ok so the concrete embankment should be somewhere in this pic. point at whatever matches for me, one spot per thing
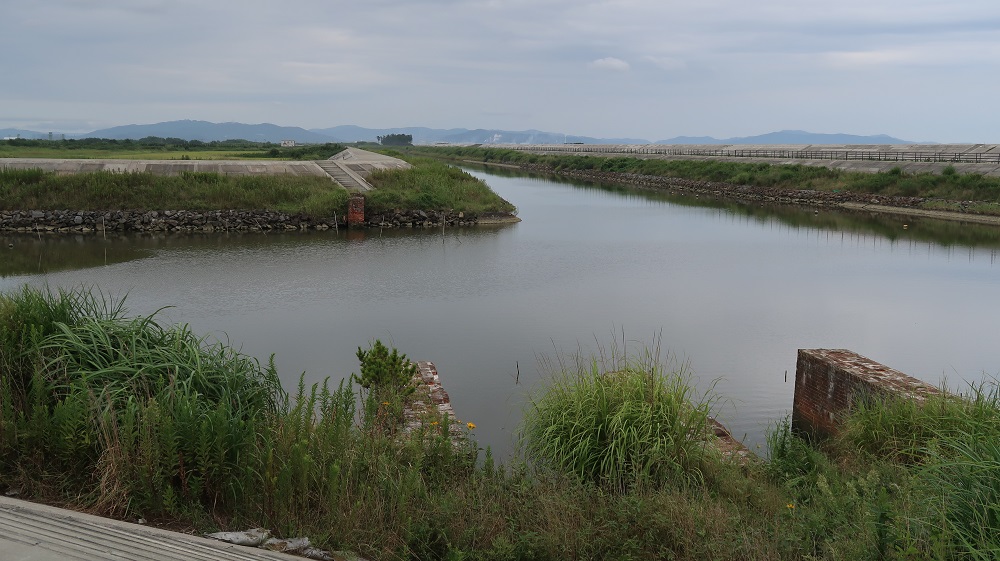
(983, 159)
(167, 167)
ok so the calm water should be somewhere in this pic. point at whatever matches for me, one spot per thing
(730, 290)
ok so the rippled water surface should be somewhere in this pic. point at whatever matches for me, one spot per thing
(731, 291)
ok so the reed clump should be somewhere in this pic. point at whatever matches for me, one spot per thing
(621, 421)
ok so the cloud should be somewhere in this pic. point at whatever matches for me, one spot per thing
(480, 63)
(611, 63)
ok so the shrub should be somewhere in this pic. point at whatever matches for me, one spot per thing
(383, 370)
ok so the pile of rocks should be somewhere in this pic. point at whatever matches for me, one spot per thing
(66, 221)
(420, 219)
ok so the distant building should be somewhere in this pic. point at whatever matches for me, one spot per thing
(287, 143)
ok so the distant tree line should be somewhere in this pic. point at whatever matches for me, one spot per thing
(146, 142)
(395, 140)
(156, 143)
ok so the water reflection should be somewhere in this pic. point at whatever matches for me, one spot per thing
(891, 227)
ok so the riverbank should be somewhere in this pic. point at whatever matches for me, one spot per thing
(161, 426)
(265, 196)
(956, 192)
(185, 221)
(844, 200)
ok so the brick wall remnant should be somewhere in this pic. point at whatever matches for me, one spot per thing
(356, 210)
(828, 382)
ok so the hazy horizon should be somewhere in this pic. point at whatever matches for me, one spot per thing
(651, 69)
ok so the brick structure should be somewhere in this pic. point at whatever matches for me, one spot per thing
(356, 210)
(431, 402)
(828, 382)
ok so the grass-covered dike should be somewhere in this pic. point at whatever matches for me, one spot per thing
(128, 417)
(971, 193)
(429, 185)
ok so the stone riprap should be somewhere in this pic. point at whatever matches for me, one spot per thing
(67, 221)
(97, 221)
(434, 219)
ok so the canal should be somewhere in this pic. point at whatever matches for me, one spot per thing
(729, 291)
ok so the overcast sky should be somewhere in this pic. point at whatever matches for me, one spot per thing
(916, 69)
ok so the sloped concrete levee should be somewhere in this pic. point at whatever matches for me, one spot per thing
(869, 158)
(33, 532)
(352, 166)
(829, 382)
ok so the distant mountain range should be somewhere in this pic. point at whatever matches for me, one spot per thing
(789, 137)
(266, 132)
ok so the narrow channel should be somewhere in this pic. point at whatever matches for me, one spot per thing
(729, 291)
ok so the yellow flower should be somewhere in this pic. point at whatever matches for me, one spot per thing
(790, 506)
(385, 403)
(471, 426)
(434, 423)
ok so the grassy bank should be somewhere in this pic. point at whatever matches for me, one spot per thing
(429, 185)
(127, 417)
(432, 185)
(39, 190)
(948, 186)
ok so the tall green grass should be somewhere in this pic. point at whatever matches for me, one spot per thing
(128, 417)
(104, 190)
(432, 185)
(951, 447)
(620, 421)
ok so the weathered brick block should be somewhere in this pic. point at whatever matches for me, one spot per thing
(828, 382)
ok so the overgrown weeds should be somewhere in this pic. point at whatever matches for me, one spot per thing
(105, 190)
(621, 421)
(432, 185)
(127, 417)
(948, 185)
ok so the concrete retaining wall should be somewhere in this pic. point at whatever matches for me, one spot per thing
(828, 382)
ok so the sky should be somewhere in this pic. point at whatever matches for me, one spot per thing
(918, 70)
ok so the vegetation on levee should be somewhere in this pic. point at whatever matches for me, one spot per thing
(127, 417)
(949, 185)
(156, 148)
(431, 185)
(35, 189)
